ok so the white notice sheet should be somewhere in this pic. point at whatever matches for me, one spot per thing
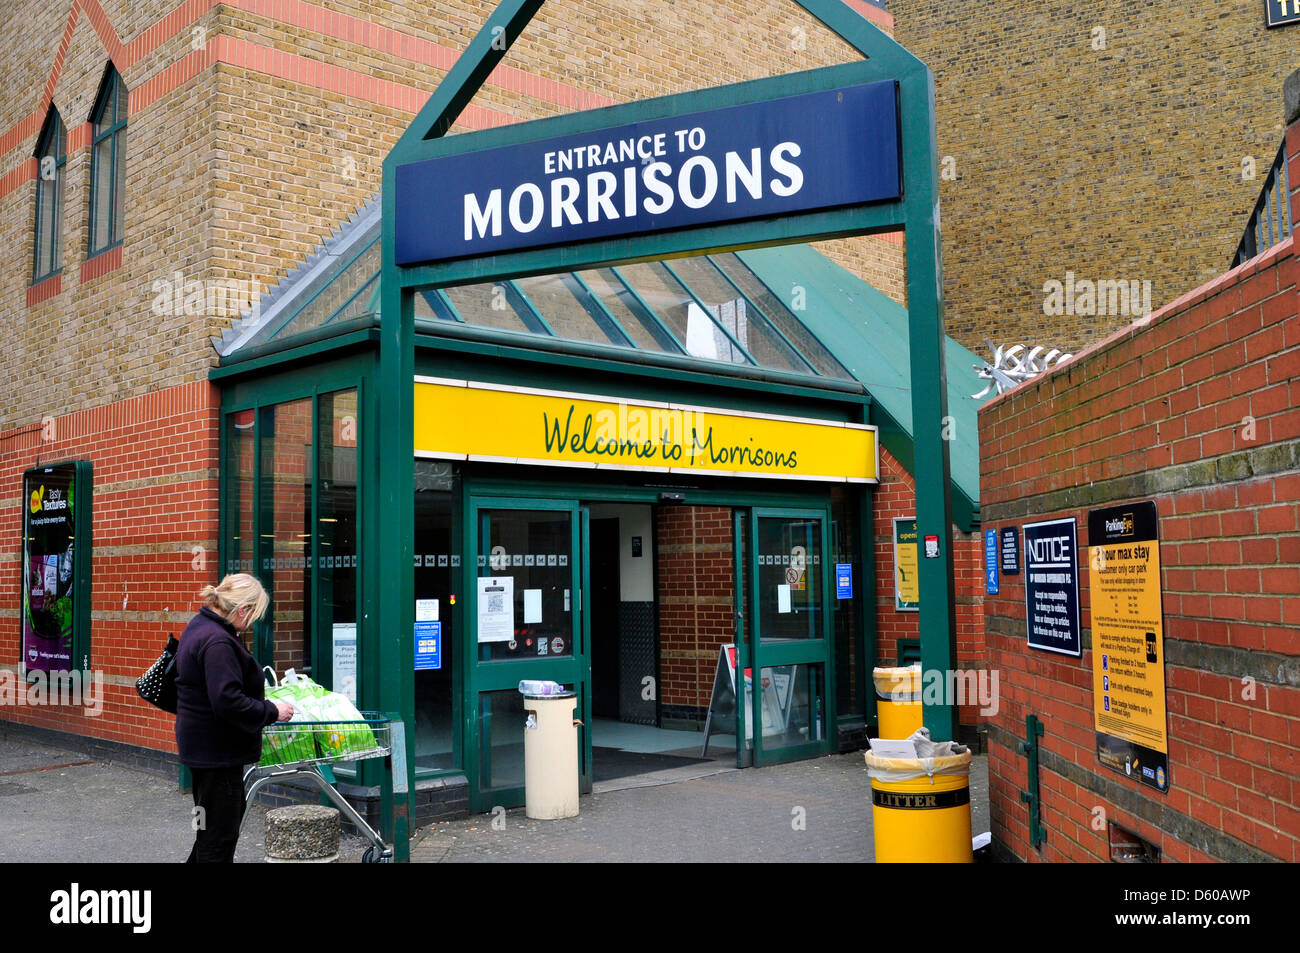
(532, 606)
(496, 608)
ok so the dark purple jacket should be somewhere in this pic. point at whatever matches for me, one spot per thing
(221, 704)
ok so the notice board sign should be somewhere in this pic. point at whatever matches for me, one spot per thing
(907, 593)
(1011, 550)
(1052, 586)
(1128, 651)
(56, 568)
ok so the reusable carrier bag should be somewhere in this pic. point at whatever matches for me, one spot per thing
(343, 733)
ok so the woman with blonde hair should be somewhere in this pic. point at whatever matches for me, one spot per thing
(221, 709)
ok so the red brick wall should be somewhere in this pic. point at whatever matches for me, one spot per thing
(1198, 409)
(155, 500)
(696, 582)
(895, 496)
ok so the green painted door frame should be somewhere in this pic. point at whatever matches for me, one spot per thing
(916, 213)
(819, 650)
(504, 675)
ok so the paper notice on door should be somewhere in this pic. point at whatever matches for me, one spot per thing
(783, 598)
(345, 659)
(426, 610)
(532, 606)
(496, 608)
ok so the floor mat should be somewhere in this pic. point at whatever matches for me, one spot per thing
(610, 763)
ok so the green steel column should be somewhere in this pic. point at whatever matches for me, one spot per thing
(391, 630)
(929, 388)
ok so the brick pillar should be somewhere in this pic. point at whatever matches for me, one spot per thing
(1291, 94)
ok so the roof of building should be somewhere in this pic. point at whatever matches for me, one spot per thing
(787, 311)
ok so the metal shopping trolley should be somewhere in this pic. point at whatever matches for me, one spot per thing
(300, 749)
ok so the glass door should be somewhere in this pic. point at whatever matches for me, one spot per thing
(525, 621)
(789, 636)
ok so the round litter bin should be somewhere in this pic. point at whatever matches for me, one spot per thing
(551, 757)
(898, 700)
(920, 809)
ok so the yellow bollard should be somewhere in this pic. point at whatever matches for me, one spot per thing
(898, 700)
(921, 809)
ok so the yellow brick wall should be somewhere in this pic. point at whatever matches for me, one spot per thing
(240, 173)
(1115, 163)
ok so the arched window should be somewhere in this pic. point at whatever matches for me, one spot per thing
(51, 160)
(107, 163)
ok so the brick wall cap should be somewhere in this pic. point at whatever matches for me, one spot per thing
(1291, 97)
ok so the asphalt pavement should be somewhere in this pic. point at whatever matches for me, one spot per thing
(59, 805)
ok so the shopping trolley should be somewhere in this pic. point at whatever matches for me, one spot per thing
(299, 749)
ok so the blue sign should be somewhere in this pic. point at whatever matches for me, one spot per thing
(1052, 586)
(797, 154)
(428, 645)
(843, 580)
(1281, 12)
(991, 561)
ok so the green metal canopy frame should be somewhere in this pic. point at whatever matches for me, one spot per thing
(390, 646)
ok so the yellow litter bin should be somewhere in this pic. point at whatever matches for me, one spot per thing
(898, 700)
(921, 808)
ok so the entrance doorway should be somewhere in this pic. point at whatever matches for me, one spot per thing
(656, 616)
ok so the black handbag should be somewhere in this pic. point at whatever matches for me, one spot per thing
(157, 685)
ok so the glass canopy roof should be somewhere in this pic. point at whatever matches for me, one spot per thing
(710, 308)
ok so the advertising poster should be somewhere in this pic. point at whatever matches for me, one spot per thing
(1052, 587)
(907, 593)
(48, 564)
(1128, 651)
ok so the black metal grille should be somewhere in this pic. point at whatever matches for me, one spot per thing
(1270, 221)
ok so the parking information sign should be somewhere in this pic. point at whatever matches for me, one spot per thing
(991, 561)
(1128, 652)
(1052, 586)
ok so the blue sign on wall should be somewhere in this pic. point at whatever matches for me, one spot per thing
(843, 580)
(811, 151)
(428, 645)
(1052, 586)
(991, 561)
(1282, 12)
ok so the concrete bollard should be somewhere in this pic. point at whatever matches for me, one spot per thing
(302, 834)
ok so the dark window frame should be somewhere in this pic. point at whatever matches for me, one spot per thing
(47, 250)
(113, 131)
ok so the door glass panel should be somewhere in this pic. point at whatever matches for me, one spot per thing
(789, 587)
(436, 556)
(793, 705)
(336, 541)
(285, 431)
(529, 555)
(501, 758)
(240, 535)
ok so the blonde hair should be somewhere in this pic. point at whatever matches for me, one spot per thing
(236, 590)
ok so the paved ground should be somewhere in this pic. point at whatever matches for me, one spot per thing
(63, 806)
(743, 816)
(59, 806)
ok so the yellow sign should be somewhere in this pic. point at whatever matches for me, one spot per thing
(1128, 665)
(465, 420)
(907, 590)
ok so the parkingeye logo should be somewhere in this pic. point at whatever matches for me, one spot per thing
(102, 907)
(1121, 525)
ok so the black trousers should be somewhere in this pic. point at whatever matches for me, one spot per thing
(219, 807)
